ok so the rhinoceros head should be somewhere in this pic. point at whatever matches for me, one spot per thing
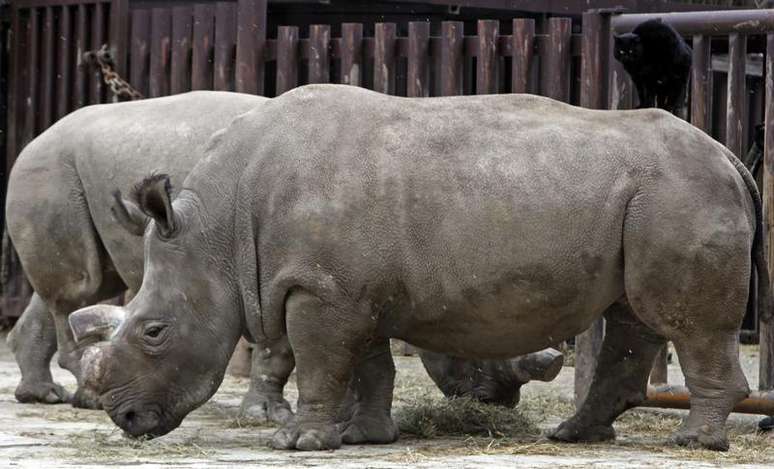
(164, 353)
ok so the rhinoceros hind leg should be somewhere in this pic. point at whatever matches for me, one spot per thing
(271, 367)
(373, 381)
(620, 379)
(33, 342)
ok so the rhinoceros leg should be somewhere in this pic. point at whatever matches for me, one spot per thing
(272, 363)
(373, 381)
(325, 357)
(33, 342)
(620, 379)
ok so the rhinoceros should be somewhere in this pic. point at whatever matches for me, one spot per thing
(484, 227)
(76, 254)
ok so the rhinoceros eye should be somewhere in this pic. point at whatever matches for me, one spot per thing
(154, 331)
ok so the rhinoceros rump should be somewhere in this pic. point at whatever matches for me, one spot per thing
(483, 227)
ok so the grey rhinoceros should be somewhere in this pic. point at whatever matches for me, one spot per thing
(75, 253)
(478, 226)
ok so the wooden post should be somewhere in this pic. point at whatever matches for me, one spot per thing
(418, 56)
(660, 373)
(352, 54)
(555, 69)
(486, 74)
(182, 30)
(119, 34)
(595, 60)
(384, 57)
(766, 364)
(225, 41)
(161, 31)
(250, 46)
(65, 53)
(31, 99)
(97, 87)
(287, 58)
(140, 53)
(81, 46)
(452, 42)
(701, 83)
(201, 56)
(319, 53)
(523, 53)
(47, 78)
(737, 95)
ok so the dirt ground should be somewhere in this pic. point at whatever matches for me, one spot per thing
(213, 436)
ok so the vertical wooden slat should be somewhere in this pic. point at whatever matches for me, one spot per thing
(47, 70)
(766, 363)
(523, 53)
(180, 62)
(555, 70)
(65, 53)
(418, 58)
(201, 60)
(251, 42)
(319, 48)
(161, 31)
(140, 51)
(384, 57)
(31, 98)
(96, 87)
(225, 44)
(486, 70)
(595, 59)
(16, 84)
(80, 93)
(352, 54)
(119, 34)
(701, 83)
(660, 373)
(737, 92)
(287, 58)
(452, 43)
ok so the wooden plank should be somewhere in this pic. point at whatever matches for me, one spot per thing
(97, 89)
(64, 69)
(287, 58)
(737, 93)
(16, 81)
(160, 38)
(319, 60)
(352, 54)
(47, 70)
(523, 47)
(384, 57)
(139, 55)
(180, 61)
(621, 87)
(80, 93)
(701, 83)
(119, 34)
(486, 63)
(31, 99)
(201, 59)
(766, 363)
(555, 69)
(418, 80)
(225, 45)
(251, 44)
(660, 374)
(452, 41)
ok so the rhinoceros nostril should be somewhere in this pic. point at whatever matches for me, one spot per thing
(129, 417)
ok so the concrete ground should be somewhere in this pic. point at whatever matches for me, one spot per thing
(60, 436)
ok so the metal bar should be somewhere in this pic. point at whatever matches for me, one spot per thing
(701, 83)
(47, 70)
(555, 69)
(711, 23)
(384, 57)
(287, 58)
(225, 43)
(737, 95)
(523, 50)
(766, 362)
(418, 82)
(352, 54)
(65, 53)
(96, 87)
(180, 62)
(161, 27)
(678, 397)
(202, 48)
(452, 41)
(486, 73)
(319, 62)
(81, 46)
(251, 45)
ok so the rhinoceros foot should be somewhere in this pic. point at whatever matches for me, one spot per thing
(377, 429)
(260, 407)
(306, 437)
(701, 437)
(85, 399)
(45, 392)
(572, 431)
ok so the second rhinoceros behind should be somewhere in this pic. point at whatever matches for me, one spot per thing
(482, 227)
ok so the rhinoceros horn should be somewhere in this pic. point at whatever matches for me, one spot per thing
(96, 322)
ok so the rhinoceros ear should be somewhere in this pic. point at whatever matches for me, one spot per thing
(128, 215)
(154, 198)
(96, 322)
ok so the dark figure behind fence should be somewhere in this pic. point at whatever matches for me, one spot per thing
(659, 62)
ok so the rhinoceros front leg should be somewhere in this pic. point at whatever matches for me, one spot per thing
(326, 337)
(33, 342)
(69, 357)
(272, 364)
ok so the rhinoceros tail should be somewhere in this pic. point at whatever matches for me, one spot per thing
(759, 258)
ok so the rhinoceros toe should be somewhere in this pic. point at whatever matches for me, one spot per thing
(702, 437)
(306, 437)
(263, 409)
(370, 429)
(45, 392)
(571, 431)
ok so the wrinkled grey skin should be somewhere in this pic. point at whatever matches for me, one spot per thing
(480, 226)
(58, 214)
